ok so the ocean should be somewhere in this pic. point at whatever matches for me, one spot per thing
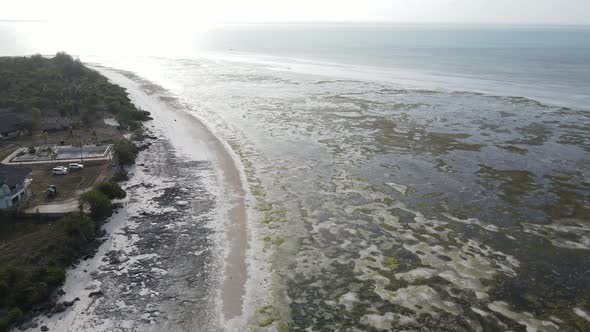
(542, 62)
(411, 177)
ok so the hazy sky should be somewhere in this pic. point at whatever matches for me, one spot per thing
(228, 11)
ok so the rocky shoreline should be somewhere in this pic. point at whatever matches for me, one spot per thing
(149, 274)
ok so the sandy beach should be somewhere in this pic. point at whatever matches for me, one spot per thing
(175, 257)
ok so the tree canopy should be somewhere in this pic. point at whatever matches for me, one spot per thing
(40, 87)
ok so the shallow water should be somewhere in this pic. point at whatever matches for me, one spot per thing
(402, 209)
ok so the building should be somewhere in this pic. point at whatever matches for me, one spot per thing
(14, 185)
(10, 125)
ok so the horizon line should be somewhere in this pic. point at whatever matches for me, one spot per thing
(322, 22)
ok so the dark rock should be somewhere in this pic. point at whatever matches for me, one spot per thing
(445, 258)
(28, 326)
(60, 292)
(144, 146)
(44, 328)
(71, 303)
(96, 294)
(60, 307)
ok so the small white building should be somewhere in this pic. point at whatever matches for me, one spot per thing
(14, 185)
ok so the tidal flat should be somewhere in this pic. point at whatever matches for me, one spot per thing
(409, 209)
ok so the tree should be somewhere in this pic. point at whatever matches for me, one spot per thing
(33, 122)
(52, 154)
(100, 205)
(112, 190)
(125, 152)
(62, 86)
(78, 227)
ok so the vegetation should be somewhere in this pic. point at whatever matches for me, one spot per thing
(125, 152)
(34, 252)
(33, 260)
(391, 261)
(100, 204)
(44, 88)
(112, 190)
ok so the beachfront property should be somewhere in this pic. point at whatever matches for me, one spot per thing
(10, 125)
(59, 153)
(14, 185)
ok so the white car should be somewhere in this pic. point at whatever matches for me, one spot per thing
(76, 166)
(59, 170)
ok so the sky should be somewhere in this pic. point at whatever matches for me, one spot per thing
(241, 11)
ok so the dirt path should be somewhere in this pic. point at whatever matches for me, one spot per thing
(67, 206)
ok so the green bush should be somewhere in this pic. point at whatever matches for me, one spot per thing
(51, 275)
(125, 152)
(100, 205)
(28, 296)
(55, 275)
(11, 274)
(14, 315)
(4, 290)
(112, 190)
(81, 227)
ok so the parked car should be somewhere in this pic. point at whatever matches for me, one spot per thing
(51, 191)
(76, 166)
(59, 170)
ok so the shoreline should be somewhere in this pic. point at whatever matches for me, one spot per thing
(186, 193)
(232, 182)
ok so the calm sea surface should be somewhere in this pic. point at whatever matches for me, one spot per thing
(407, 177)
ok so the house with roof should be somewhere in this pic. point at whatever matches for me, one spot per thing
(14, 185)
(10, 125)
